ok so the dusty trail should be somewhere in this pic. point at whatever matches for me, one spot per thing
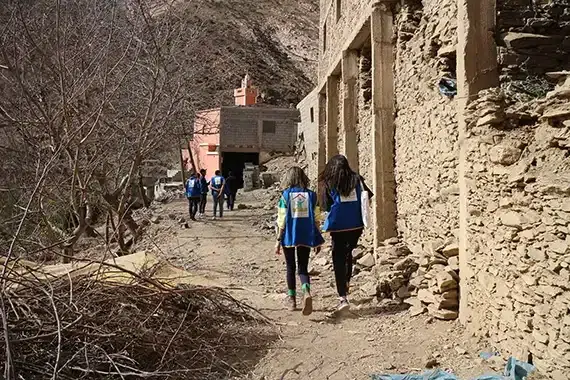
(233, 254)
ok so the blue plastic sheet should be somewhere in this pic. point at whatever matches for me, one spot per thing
(514, 370)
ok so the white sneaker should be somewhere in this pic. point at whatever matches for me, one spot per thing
(214, 218)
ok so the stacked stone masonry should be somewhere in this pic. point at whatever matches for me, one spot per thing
(533, 37)
(426, 127)
(518, 234)
(512, 169)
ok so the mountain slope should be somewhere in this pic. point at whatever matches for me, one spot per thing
(275, 41)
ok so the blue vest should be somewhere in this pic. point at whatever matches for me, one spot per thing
(345, 213)
(192, 187)
(216, 182)
(300, 227)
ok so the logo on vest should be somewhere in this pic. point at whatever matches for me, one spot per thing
(299, 205)
(350, 197)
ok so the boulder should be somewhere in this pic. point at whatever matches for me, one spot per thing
(445, 282)
(403, 292)
(504, 154)
(517, 41)
(417, 310)
(426, 296)
(405, 264)
(155, 219)
(453, 263)
(370, 288)
(443, 314)
(367, 261)
(451, 250)
(513, 219)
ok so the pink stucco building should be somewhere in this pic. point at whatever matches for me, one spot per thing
(226, 138)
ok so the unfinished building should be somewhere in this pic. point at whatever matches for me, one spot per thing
(442, 106)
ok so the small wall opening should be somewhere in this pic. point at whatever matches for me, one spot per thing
(312, 112)
(325, 37)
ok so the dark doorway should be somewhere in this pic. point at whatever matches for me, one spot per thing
(235, 162)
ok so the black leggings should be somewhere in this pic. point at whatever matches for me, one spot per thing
(303, 264)
(203, 201)
(342, 245)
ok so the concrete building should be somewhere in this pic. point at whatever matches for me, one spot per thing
(226, 138)
(464, 166)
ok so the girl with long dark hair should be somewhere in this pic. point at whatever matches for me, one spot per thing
(341, 195)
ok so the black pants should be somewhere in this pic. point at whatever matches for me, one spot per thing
(231, 200)
(203, 201)
(342, 245)
(193, 206)
(302, 263)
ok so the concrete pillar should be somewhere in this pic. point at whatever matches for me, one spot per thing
(332, 117)
(476, 70)
(384, 201)
(322, 153)
(350, 105)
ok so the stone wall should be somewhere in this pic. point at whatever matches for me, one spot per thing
(518, 182)
(308, 134)
(533, 37)
(426, 127)
(352, 14)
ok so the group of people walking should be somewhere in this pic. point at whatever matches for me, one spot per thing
(299, 225)
(198, 186)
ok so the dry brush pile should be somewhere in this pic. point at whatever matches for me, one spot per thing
(83, 327)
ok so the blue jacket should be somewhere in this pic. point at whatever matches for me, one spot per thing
(216, 183)
(193, 188)
(345, 213)
(298, 218)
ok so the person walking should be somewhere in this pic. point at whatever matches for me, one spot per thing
(341, 196)
(232, 189)
(217, 187)
(204, 185)
(298, 232)
(193, 191)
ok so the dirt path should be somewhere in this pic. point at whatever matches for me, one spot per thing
(373, 339)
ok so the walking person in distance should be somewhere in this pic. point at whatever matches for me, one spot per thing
(217, 187)
(193, 191)
(341, 195)
(204, 186)
(232, 189)
(297, 233)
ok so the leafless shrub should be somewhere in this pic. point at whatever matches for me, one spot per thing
(89, 90)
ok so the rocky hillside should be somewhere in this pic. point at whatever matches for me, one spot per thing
(272, 40)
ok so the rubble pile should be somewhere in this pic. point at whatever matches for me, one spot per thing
(428, 282)
(435, 284)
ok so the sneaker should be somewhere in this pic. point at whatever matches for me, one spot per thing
(343, 305)
(307, 304)
(291, 303)
(214, 218)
